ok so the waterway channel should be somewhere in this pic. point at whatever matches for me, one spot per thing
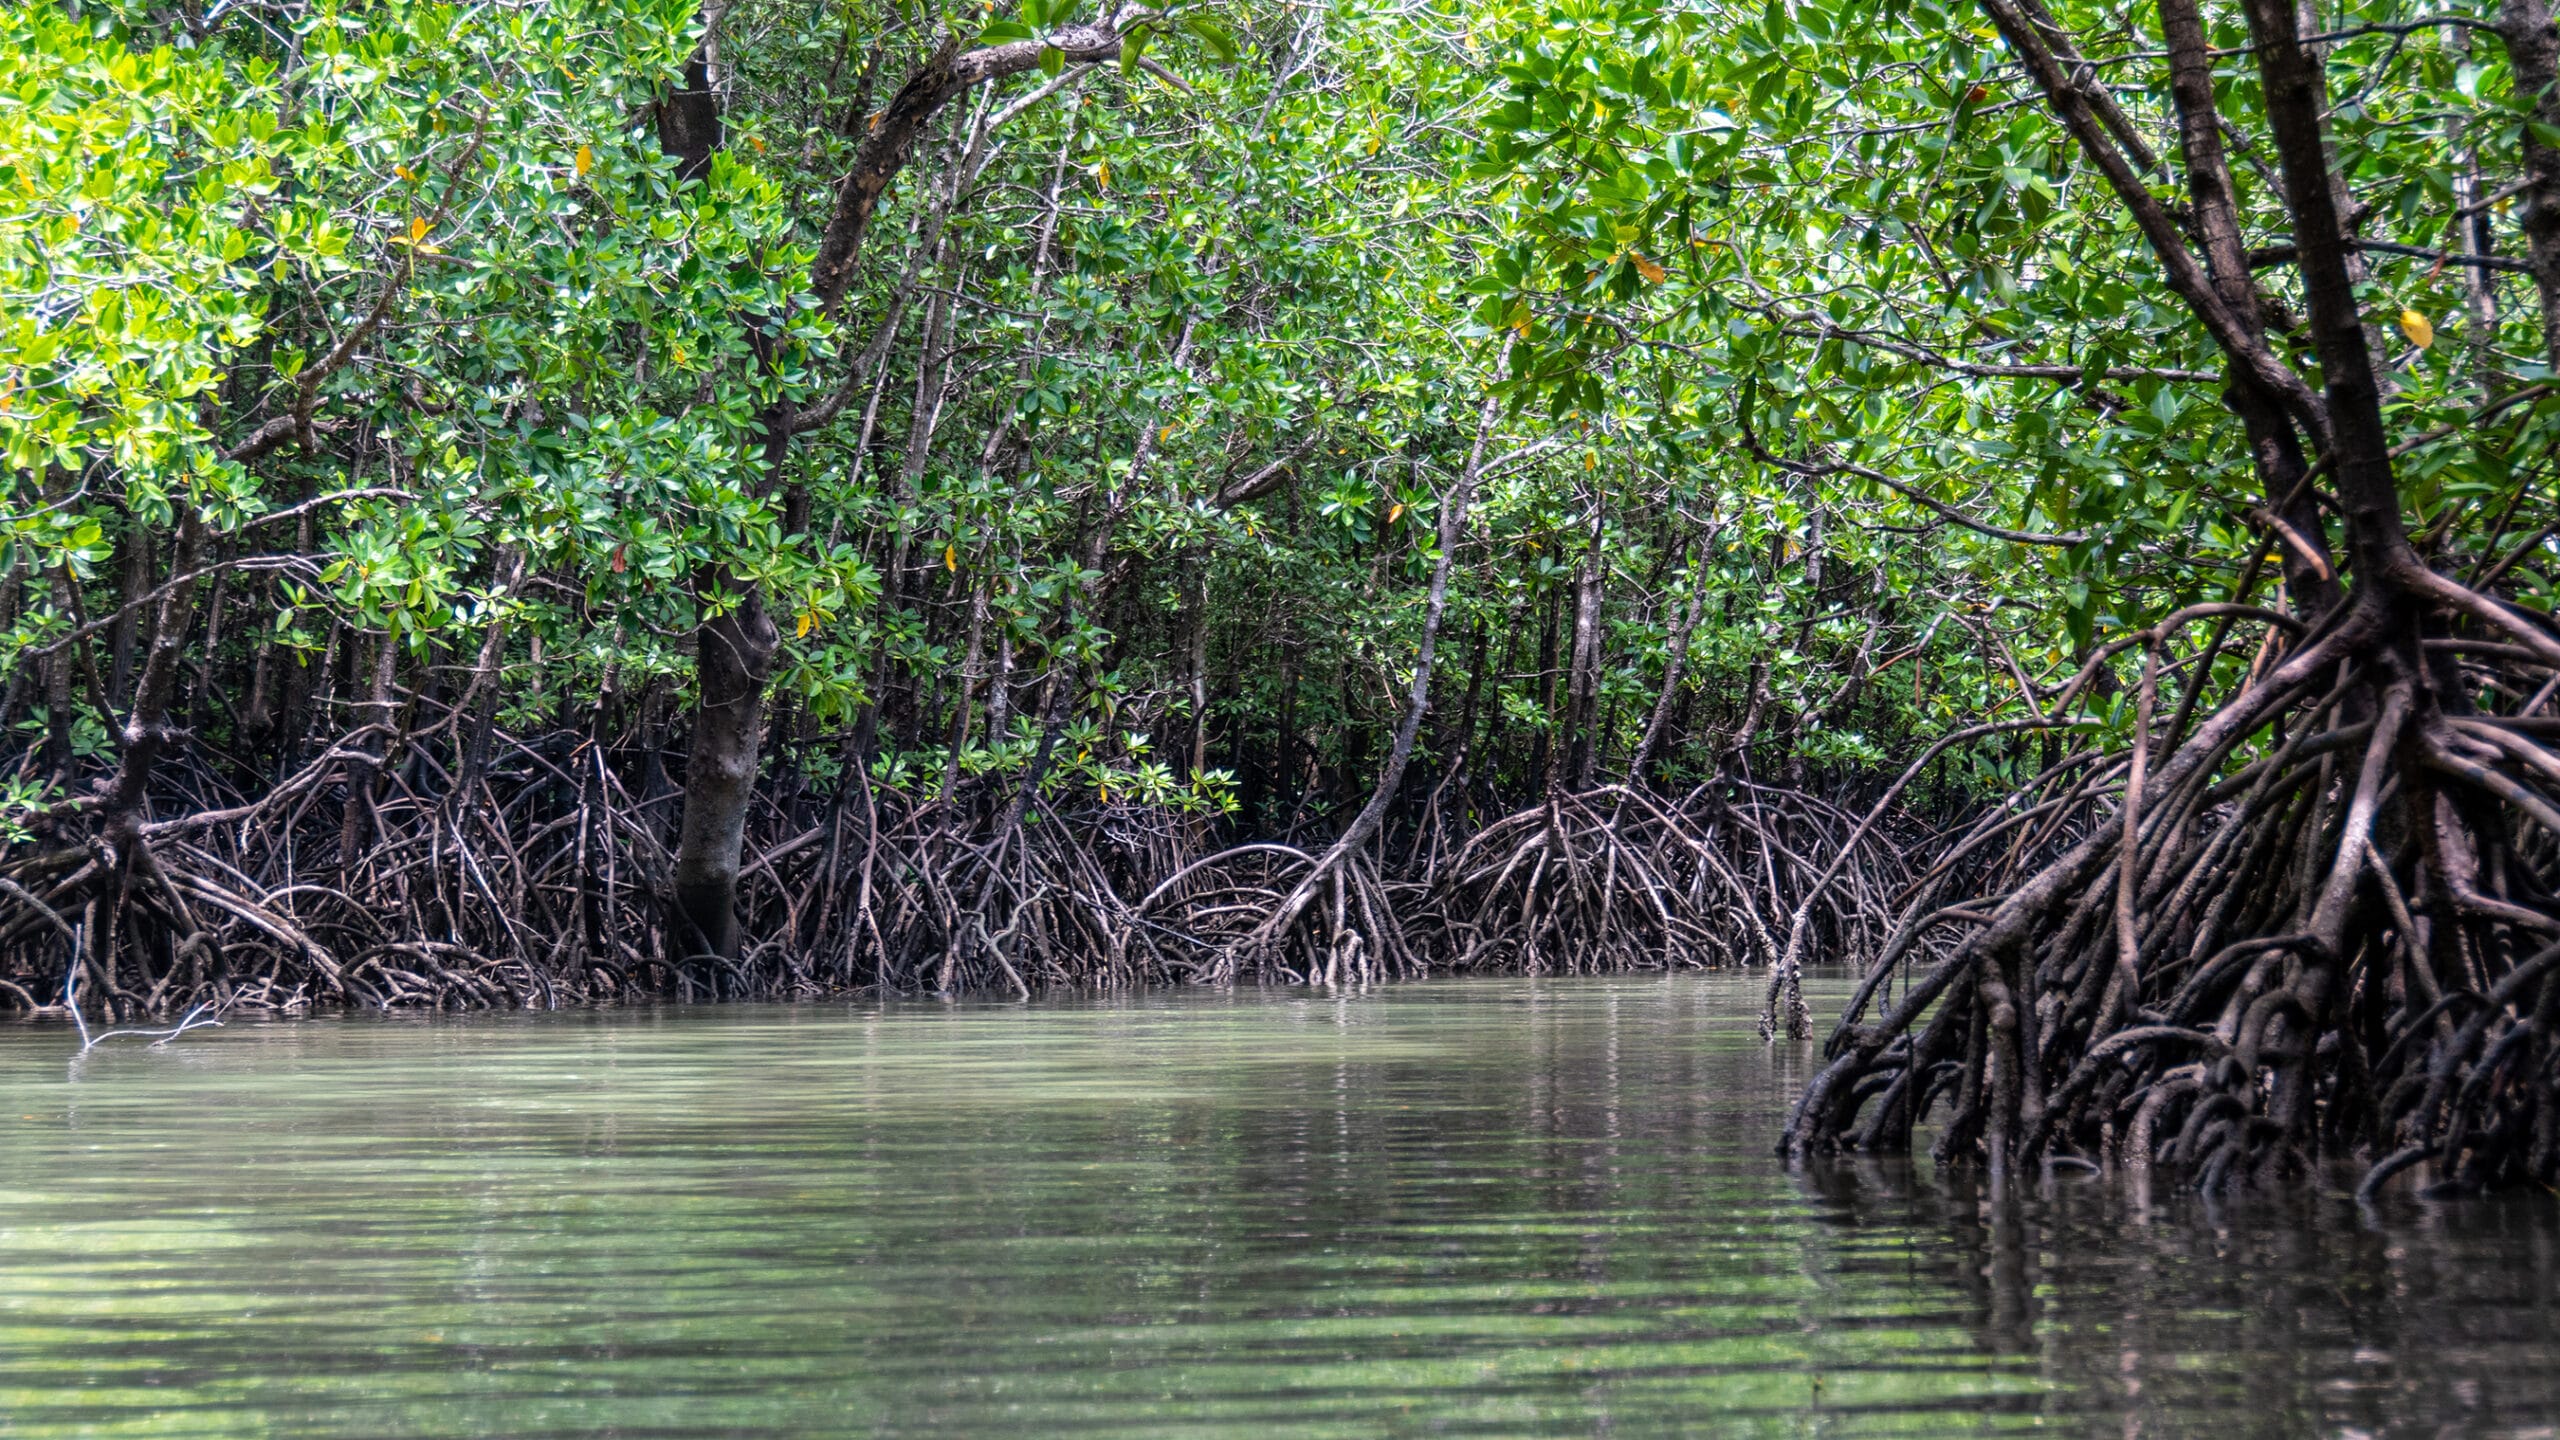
(1468, 1207)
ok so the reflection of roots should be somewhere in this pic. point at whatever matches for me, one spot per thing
(2333, 936)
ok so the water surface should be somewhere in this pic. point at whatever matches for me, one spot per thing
(1510, 1207)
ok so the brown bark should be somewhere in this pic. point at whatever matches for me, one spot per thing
(946, 75)
(1452, 529)
(2474, 242)
(961, 711)
(482, 702)
(146, 733)
(57, 692)
(2185, 276)
(1684, 623)
(2310, 574)
(2296, 100)
(1453, 522)
(1199, 665)
(2533, 53)
(688, 114)
(366, 765)
(134, 549)
(13, 587)
(733, 657)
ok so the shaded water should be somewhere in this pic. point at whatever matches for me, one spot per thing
(1484, 1208)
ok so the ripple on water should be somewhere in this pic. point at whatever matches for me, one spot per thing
(1505, 1207)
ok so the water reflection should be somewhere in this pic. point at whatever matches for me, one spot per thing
(2297, 1314)
(1502, 1207)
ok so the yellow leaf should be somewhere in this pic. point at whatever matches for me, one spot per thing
(1164, 434)
(2415, 326)
(808, 619)
(1653, 274)
(1590, 461)
(417, 229)
(586, 159)
(1102, 175)
(1393, 511)
(951, 558)
(404, 172)
(1374, 143)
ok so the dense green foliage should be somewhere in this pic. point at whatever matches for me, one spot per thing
(555, 354)
(1856, 224)
(1685, 232)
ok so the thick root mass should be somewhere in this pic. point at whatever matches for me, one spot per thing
(2321, 925)
(353, 884)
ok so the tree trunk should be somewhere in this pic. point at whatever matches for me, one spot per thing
(961, 711)
(735, 652)
(13, 587)
(1453, 521)
(135, 549)
(733, 658)
(2296, 101)
(1543, 748)
(2533, 53)
(57, 692)
(146, 733)
(486, 682)
(1674, 670)
(1199, 666)
(689, 115)
(2475, 235)
(2276, 450)
(366, 764)
(1583, 700)
(207, 690)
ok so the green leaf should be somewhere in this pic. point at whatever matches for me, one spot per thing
(1212, 34)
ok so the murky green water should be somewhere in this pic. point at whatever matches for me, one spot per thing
(1477, 1208)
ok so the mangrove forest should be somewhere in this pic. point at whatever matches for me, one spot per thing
(2049, 507)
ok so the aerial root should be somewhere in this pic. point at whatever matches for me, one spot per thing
(546, 887)
(2320, 925)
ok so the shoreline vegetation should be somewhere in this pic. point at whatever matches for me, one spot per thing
(551, 501)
